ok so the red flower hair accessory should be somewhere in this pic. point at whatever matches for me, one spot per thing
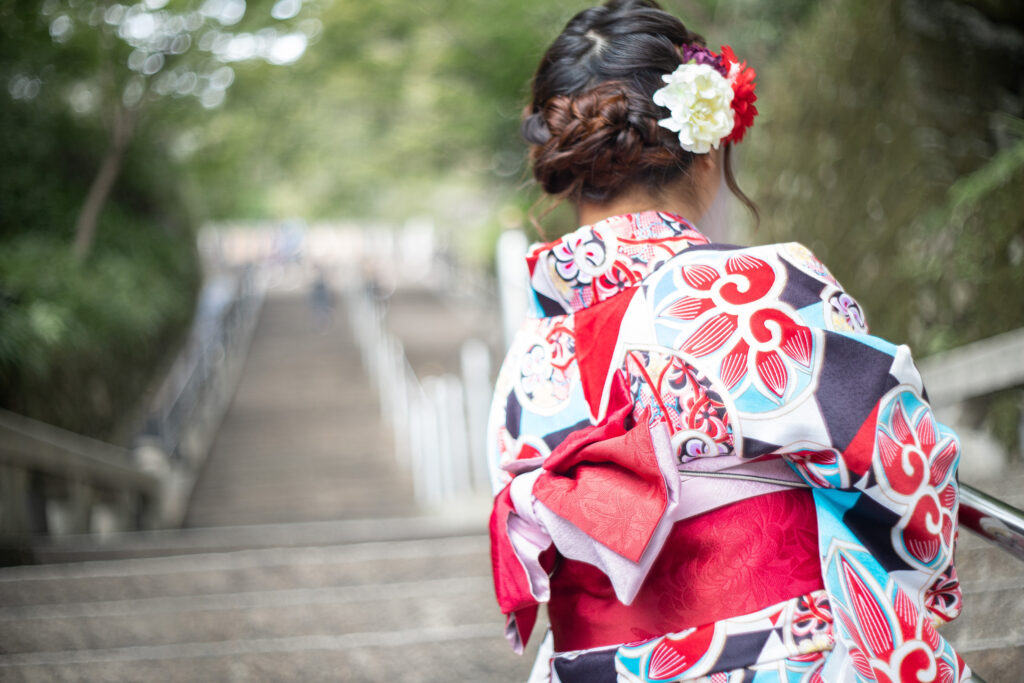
(741, 77)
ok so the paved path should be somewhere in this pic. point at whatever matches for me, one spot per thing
(431, 329)
(303, 439)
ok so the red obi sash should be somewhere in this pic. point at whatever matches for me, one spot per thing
(724, 563)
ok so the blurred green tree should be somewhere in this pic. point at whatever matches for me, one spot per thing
(94, 97)
(111, 63)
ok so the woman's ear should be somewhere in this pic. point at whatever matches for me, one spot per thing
(709, 171)
(711, 161)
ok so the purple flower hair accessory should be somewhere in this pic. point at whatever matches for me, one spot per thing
(698, 54)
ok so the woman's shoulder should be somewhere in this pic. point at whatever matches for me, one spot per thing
(793, 254)
(733, 280)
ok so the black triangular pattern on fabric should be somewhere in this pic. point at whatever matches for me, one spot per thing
(869, 480)
(513, 415)
(872, 524)
(853, 377)
(550, 307)
(741, 650)
(590, 667)
(801, 289)
(754, 448)
(555, 438)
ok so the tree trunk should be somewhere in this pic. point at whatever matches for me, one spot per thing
(103, 183)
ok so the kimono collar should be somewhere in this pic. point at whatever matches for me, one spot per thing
(598, 261)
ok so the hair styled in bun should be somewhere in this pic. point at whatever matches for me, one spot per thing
(592, 124)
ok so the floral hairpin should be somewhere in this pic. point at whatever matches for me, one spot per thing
(710, 98)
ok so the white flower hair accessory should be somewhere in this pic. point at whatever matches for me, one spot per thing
(710, 97)
(699, 100)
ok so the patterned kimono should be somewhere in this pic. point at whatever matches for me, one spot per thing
(709, 470)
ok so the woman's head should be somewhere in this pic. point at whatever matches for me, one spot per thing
(592, 123)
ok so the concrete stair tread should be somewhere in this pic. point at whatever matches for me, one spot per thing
(465, 521)
(405, 610)
(244, 570)
(303, 439)
(470, 652)
(247, 616)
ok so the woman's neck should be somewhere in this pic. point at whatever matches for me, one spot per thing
(688, 196)
(588, 213)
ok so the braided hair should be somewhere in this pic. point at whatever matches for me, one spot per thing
(592, 124)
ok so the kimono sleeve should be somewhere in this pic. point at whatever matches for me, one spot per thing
(883, 474)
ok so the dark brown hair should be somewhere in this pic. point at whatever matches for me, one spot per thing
(592, 124)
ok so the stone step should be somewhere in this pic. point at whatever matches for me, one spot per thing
(411, 610)
(996, 662)
(465, 520)
(249, 615)
(245, 571)
(993, 611)
(465, 653)
(261, 613)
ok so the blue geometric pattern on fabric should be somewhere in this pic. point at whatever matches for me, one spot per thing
(813, 315)
(753, 401)
(573, 412)
(545, 307)
(834, 504)
(874, 342)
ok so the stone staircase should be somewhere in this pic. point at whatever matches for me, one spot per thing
(321, 601)
(306, 558)
(420, 609)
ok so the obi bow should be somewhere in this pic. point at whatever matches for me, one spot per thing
(604, 496)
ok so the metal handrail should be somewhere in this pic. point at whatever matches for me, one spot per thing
(993, 520)
(215, 333)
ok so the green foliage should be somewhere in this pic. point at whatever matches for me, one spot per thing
(975, 256)
(39, 144)
(79, 340)
(877, 146)
(399, 109)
